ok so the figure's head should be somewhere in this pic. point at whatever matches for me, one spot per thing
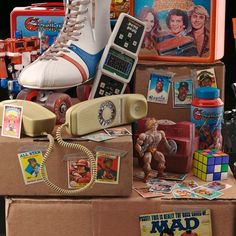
(183, 90)
(177, 21)
(206, 79)
(159, 85)
(82, 166)
(32, 162)
(198, 17)
(151, 123)
(148, 16)
(167, 232)
(108, 162)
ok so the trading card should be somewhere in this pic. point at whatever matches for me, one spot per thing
(108, 168)
(30, 164)
(11, 121)
(159, 87)
(162, 187)
(145, 193)
(206, 78)
(119, 131)
(183, 93)
(98, 137)
(206, 192)
(79, 172)
(217, 185)
(189, 184)
(183, 193)
(173, 176)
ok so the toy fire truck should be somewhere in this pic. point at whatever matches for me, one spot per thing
(15, 54)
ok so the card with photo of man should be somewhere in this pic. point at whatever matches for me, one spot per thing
(182, 93)
(159, 87)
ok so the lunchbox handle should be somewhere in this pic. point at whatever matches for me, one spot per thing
(48, 4)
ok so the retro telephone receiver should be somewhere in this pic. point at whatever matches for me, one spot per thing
(82, 118)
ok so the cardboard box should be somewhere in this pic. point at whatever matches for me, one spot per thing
(166, 111)
(110, 216)
(12, 182)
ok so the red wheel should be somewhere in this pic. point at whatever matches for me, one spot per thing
(27, 94)
(59, 103)
(83, 92)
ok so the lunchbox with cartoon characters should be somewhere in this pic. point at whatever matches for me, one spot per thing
(182, 30)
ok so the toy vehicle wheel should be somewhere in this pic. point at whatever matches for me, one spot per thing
(27, 94)
(83, 92)
(58, 103)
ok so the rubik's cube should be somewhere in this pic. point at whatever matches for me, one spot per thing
(210, 164)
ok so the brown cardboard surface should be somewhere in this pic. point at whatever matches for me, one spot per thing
(166, 111)
(12, 182)
(105, 216)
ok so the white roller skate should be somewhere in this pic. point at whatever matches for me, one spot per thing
(73, 58)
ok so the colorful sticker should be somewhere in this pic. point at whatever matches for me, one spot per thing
(207, 193)
(119, 131)
(206, 78)
(159, 86)
(79, 172)
(173, 176)
(145, 193)
(183, 93)
(161, 186)
(11, 121)
(98, 137)
(108, 168)
(183, 193)
(217, 185)
(30, 163)
(189, 184)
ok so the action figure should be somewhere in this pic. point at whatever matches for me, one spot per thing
(147, 144)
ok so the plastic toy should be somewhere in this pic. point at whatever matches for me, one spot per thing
(15, 54)
(210, 164)
(72, 59)
(147, 146)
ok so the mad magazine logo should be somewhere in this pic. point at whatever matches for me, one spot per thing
(35, 24)
(173, 221)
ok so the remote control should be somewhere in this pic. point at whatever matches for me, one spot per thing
(119, 58)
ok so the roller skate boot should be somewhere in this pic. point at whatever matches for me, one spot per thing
(73, 58)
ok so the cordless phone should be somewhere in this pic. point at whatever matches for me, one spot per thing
(119, 58)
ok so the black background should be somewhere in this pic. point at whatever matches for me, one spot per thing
(229, 58)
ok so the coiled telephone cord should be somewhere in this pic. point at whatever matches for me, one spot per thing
(77, 146)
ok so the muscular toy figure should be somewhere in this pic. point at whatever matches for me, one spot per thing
(147, 144)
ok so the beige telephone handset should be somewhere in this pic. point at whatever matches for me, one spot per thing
(36, 118)
(105, 112)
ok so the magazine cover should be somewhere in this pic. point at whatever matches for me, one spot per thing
(192, 223)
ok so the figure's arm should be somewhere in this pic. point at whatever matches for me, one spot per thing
(139, 144)
(170, 145)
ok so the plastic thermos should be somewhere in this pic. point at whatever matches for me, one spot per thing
(207, 114)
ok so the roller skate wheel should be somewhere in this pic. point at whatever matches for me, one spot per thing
(27, 94)
(83, 92)
(59, 103)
